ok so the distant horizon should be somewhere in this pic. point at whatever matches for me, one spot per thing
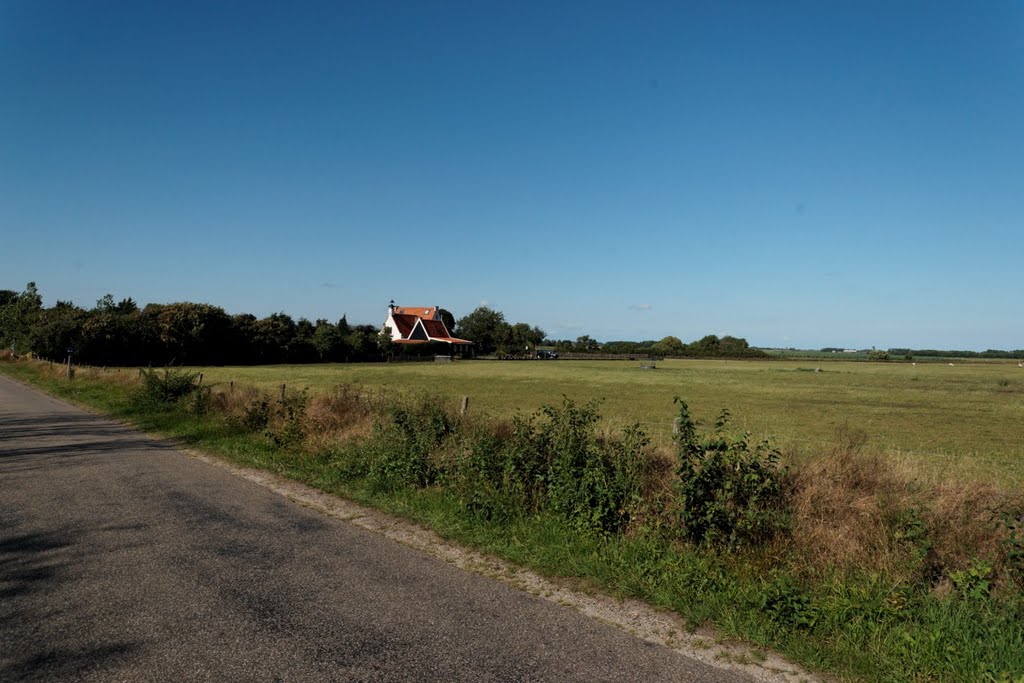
(49, 302)
(794, 174)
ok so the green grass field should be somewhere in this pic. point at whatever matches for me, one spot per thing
(965, 421)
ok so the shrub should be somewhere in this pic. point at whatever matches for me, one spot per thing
(201, 400)
(164, 389)
(590, 482)
(403, 442)
(974, 582)
(256, 414)
(784, 602)
(730, 493)
(287, 426)
(1013, 543)
(553, 460)
(486, 479)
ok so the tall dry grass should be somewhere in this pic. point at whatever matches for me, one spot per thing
(341, 414)
(859, 510)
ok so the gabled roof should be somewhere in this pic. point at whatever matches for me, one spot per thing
(404, 323)
(417, 325)
(436, 331)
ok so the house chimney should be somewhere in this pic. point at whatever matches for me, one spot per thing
(391, 307)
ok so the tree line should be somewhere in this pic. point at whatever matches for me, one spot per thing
(709, 346)
(934, 353)
(185, 333)
(121, 333)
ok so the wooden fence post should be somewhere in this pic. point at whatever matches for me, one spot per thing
(465, 405)
(231, 387)
(282, 392)
(675, 426)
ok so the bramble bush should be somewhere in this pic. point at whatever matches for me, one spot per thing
(730, 492)
(591, 482)
(554, 460)
(286, 424)
(497, 476)
(403, 442)
(161, 390)
(256, 414)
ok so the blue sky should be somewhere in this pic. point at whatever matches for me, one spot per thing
(796, 173)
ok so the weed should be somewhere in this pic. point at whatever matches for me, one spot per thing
(200, 400)
(1013, 543)
(786, 604)
(555, 461)
(975, 582)
(403, 442)
(287, 426)
(730, 493)
(486, 479)
(910, 530)
(160, 390)
(591, 483)
(256, 414)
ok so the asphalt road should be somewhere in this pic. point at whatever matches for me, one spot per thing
(122, 559)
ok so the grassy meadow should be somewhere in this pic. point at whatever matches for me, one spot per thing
(962, 421)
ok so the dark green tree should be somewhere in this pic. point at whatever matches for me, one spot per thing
(669, 346)
(485, 327)
(18, 316)
(57, 329)
(271, 337)
(330, 343)
(447, 318)
(106, 304)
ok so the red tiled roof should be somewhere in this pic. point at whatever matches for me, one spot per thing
(407, 319)
(427, 312)
(436, 330)
(404, 323)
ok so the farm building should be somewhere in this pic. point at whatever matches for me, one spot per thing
(415, 326)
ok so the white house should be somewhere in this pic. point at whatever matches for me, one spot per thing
(417, 325)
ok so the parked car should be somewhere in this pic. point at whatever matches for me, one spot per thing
(544, 354)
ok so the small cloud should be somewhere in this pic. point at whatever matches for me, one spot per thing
(328, 285)
(640, 307)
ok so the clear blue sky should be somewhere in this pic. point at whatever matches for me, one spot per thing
(796, 173)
